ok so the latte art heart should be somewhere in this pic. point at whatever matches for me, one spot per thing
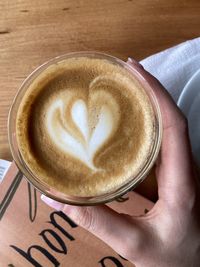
(93, 136)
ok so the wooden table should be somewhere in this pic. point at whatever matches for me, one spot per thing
(32, 32)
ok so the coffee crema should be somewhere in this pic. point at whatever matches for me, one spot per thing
(85, 126)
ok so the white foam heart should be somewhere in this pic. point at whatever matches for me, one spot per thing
(83, 151)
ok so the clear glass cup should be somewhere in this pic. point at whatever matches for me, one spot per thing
(52, 192)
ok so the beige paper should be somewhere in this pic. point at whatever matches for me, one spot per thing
(32, 234)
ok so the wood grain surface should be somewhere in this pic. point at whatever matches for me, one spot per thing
(32, 32)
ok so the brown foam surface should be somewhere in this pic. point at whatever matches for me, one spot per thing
(85, 126)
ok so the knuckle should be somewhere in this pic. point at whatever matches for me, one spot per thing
(133, 246)
(85, 217)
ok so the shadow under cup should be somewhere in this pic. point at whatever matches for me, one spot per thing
(77, 200)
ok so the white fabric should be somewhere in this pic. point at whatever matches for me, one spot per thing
(175, 66)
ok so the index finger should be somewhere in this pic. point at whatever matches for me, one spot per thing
(175, 166)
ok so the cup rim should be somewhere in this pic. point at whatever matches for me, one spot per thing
(55, 194)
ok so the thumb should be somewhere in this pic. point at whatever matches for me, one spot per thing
(121, 232)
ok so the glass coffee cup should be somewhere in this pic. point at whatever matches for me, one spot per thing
(52, 192)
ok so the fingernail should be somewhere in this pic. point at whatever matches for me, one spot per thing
(131, 60)
(134, 62)
(52, 203)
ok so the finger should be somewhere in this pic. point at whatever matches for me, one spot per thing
(166, 103)
(117, 230)
(175, 165)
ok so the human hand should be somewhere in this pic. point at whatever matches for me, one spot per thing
(169, 234)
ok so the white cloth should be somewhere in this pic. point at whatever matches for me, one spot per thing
(175, 66)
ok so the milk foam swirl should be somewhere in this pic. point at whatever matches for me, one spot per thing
(70, 126)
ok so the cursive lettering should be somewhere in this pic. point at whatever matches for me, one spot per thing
(58, 226)
(27, 255)
(62, 249)
(103, 262)
(44, 234)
